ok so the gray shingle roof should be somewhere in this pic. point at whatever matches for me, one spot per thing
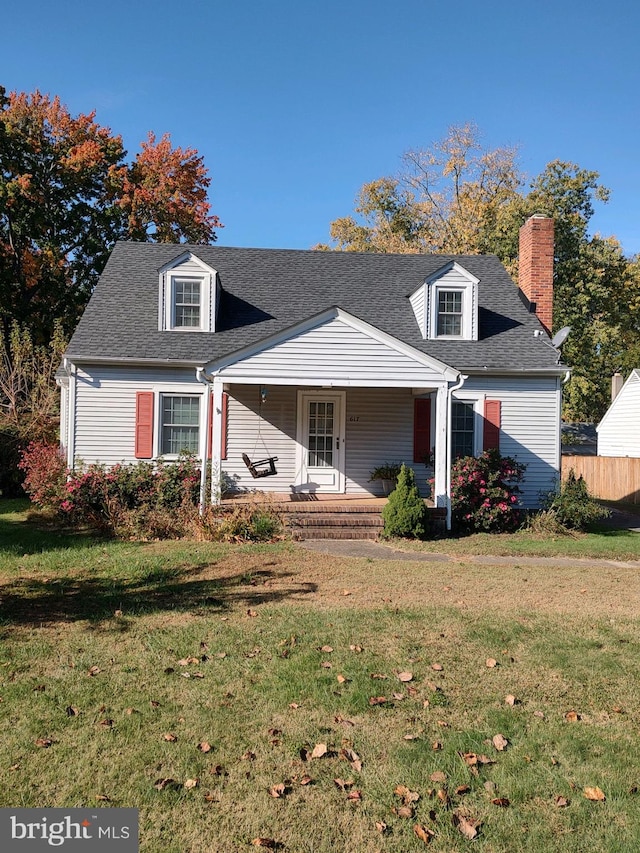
(267, 290)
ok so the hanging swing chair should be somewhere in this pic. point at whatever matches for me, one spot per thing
(261, 467)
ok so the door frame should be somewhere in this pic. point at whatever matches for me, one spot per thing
(340, 419)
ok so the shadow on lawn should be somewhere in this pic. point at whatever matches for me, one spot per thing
(34, 602)
(23, 536)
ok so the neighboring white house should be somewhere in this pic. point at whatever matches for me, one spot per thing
(333, 362)
(619, 429)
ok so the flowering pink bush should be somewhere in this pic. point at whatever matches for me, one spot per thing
(484, 492)
(45, 473)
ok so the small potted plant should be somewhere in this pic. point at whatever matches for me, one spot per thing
(388, 474)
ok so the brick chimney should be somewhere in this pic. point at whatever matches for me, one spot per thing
(535, 266)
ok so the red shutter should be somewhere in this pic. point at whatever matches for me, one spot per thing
(421, 429)
(144, 425)
(223, 431)
(491, 436)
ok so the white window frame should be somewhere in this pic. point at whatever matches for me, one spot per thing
(189, 268)
(161, 425)
(452, 278)
(439, 290)
(477, 401)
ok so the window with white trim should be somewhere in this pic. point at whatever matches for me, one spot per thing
(186, 298)
(450, 317)
(179, 424)
(462, 429)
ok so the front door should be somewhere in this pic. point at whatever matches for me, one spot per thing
(321, 439)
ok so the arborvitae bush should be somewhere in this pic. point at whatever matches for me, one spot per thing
(405, 513)
(573, 506)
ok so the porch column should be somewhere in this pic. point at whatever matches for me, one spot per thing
(216, 461)
(440, 497)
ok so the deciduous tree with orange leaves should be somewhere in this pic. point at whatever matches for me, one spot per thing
(67, 193)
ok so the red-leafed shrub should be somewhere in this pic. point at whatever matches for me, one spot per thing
(45, 474)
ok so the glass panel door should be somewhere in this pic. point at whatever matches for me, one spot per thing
(321, 434)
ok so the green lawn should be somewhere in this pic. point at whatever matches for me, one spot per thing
(284, 652)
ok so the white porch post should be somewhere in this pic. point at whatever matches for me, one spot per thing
(440, 496)
(216, 461)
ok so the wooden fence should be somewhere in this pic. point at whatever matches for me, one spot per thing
(611, 478)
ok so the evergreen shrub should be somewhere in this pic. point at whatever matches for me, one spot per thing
(405, 513)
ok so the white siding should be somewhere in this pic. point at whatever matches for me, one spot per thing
(529, 428)
(335, 353)
(105, 409)
(418, 303)
(379, 428)
(619, 431)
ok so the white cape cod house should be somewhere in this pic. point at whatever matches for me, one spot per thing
(319, 366)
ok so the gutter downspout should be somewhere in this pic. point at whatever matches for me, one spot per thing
(463, 378)
(201, 377)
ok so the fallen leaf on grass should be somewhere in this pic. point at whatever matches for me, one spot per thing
(491, 663)
(343, 720)
(405, 676)
(341, 679)
(306, 780)
(294, 705)
(438, 776)
(398, 696)
(510, 700)
(539, 714)
(594, 794)
(265, 842)
(102, 798)
(443, 796)
(161, 784)
(72, 711)
(500, 742)
(355, 648)
(423, 833)
(188, 661)
(44, 742)
(471, 759)
(354, 796)
(14, 767)
(203, 746)
(461, 790)
(411, 737)
(212, 797)
(343, 784)
(572, 717)
(501, 801)
(326, 664)
(248, 756)
(170, 737)
(191, 783)
(93, 670)
(561, 802)
(377, 700)
(381, 826)
(465, 826)
(379, 675)
(407, 795)
(319, 750)
(327, 649)
(252, 613)
(352, 757)
(346, 592)
(278, 791)
(403, 811)
(106, 724)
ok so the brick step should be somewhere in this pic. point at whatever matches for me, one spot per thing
(324, 508)
(336, 520)
(335, 533)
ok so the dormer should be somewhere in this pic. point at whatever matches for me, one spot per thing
(446, 305)
(188, 295)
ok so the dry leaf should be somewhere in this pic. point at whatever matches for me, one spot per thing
(265, 842)
(377, 700)
(327, 649)
(461, 790)
(572, 717)
(405, 676)
(594, 794)
(443, 796)
(187, 661)
(490, 663)
(510, 700)
(44, 742)
(72, 711)
(500, 742)
(191, 783)
(423, 833)
(106, 724)
(326, 664)
(278, 791)
(117, 614)
(490, 786)
(346, 592)
(102, 798)
(561, 802)
(411, 737)
(437, 667)
(341, 679)
(342, 784)
(407, 795)
(170, 738)
(248, 756)
(465, 826)
(203, 746)
(381, 826)
(14, 767)
(93, 670)
(438, 776)
(343, 720)
(539, 714)
(378, 675)
(306, 780)
(403, 811)
(294, 705)
(356, 648)
(319, 750)
(501, 801)
(161, 784)
(252, 613)
(354, 796)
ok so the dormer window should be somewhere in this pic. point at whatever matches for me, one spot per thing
(449, 322)
(446, 305)
(188, 296)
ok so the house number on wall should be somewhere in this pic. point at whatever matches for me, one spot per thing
(354, 419)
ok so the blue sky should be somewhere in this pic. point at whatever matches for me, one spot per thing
(294, 105)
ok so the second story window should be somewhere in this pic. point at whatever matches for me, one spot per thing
(449, 313)
(187, 305)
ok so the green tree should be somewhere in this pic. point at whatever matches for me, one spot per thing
(456, 197)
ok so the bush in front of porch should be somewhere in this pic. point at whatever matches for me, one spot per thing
(484, 493)
(405, 513)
